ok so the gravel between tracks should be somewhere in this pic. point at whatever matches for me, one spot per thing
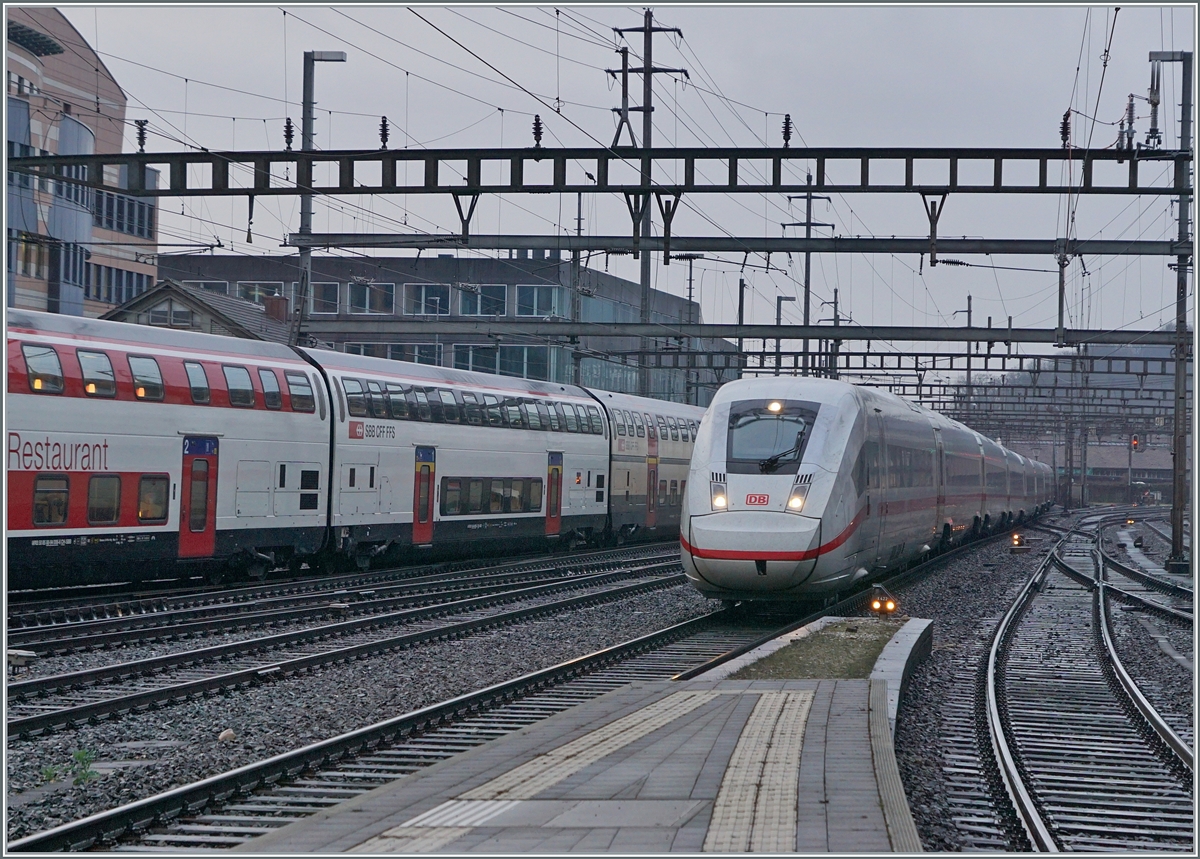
(1168, 685)
(965, 602)
(178, 744)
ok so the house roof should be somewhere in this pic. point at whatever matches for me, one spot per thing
(237, 315)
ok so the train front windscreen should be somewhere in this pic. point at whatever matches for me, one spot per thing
(768, 436)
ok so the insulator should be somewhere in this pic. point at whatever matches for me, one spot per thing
(289, 133)
(383, 132)
(787, 130)
(537, 130)
(1064, 130)
(141, 133)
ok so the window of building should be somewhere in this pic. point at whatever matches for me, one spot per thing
(426, 299)
(491, 300)
(324, 298)
(241, 388)
(272, 396)
(301, 392)
(50, 499)
(45, 370)
(104, 499)
(377, 298)
(167, 314)
(526, 362)
(481, 359)
(257, 290)
(98, 377)
(540, 300)
(198, 382)
(153, 491)
(147, 378)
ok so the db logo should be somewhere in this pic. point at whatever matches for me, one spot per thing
(356, 429)
(757, 500)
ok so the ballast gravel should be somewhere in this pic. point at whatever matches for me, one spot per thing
(143, 754)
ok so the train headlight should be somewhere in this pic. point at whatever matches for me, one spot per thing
(774, 406)
(796, 500)
(720, 500)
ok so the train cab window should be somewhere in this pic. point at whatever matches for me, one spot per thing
(471, 407)
(491, 408)
(104, 499)
(618, 421)
(153, 491)
(421, 403)
(597, 421)
(198, 383)
(637, 425)
(674, 429)
(398, 401)
(272, 396)
(356, 398)
(147, 379)
(553, 416)
(570, 419)
(241, 389)
(299, 390)
(45, 370)
(50, 500)
(98, 378)
(377, 401)
(449, 406)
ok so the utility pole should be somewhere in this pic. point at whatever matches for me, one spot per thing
(1178, 562)
(693, 389)
(576, 297)
(968, 312)
(779, 300)
(648, 71)
(808, 224)
(311, 58)
(741, 320)
(835, 342)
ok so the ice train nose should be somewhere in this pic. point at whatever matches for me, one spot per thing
(753, 550)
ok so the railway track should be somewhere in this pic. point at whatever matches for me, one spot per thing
(32, 610)
(1085, 760)
(232, 808)
(413, 591)
(47, 703)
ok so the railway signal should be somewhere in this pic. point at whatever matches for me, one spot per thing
(1134, 443)
(882, 602)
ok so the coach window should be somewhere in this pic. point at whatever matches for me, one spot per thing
(471, 407)
(534, 420)
(98, 378)
(553, 416)
(152, 499)
(398, 401)
(241, 389)
(45, 371)
(147, 378)
(637, 425)
(104, 499)
(496, 496)
(356, 401)
(299, 390)
(319, 389)
(597, 421)
(451, 495)
(674, 492)
(663, 433)
(272, 396)
(535, 495)
(198, 382)
(683, 430)
(649, 425)
(449, 406)
(491, 407)
(512, 411)
(376, 400)
(570, 420)
(475, 495)
(618, 421)
(516, 496)
(420, 406)
(585, 423)
(50, 500)
(674, 429)
(198, 500)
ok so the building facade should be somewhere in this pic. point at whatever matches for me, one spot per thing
(362, 294)
(71, 249)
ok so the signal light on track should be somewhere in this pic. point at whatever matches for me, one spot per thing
(883, 602)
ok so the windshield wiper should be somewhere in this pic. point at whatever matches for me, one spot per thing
(768, 465)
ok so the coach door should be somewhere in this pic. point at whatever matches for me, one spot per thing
(651, 473)
(423, 496)
(554, 469)
(939, 477)
(198, 498)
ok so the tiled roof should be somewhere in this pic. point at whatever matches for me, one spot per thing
(250, 316)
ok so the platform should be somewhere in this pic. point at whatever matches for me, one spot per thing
(696, 766)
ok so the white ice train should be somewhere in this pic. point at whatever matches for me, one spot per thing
(800, 488)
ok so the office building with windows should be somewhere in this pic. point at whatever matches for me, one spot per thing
(71, 249)
(353, 300)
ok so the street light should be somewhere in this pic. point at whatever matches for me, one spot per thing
(779, 300)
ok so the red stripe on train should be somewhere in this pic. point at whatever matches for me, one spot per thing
(806, 555)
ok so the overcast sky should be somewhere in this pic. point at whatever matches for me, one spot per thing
(849, 76)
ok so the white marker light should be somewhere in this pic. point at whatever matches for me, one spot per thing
(775, 406)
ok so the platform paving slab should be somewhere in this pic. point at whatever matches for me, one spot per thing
(703, 765)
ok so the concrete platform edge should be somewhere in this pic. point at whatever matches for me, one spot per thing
(895, 664)
(725, 669)
(901, 830)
